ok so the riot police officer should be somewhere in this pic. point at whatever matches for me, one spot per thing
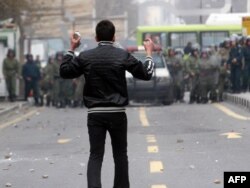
(246, 67)
(235, 63)
(176, 67)
(192, 67)
(31, 75)
(10, 72)
(223, 75)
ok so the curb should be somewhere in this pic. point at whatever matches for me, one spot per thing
(13, 108)
(240, 101)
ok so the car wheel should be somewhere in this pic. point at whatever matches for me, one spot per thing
(167, 102)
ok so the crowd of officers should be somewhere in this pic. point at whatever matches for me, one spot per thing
(207, 73)
(44, 84)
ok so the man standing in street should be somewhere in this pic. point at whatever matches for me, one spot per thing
(10, 72)
(58, 82)
(235, 64)
(105, 95)
(192, 67)
(31, 76)
(224, 56)
(49, 80)
(246, 67)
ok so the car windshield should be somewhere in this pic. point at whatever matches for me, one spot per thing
(159, 63)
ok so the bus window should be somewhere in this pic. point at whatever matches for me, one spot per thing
(180, 40)
(164, 40)
(213, 37)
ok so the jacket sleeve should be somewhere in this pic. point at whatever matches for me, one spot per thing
(38, 72)
(239, 56)
(70, 67)
(229, 61)
(143, 71)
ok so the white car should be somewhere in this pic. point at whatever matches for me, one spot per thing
(158, 89)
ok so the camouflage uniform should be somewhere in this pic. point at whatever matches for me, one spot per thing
(223, 76)
(176, 65)
(67, 92)
(48, 82)
(208, 77)
(192, 67)
(57, 84)
(78, 95)
(10, 71)
(63, 89)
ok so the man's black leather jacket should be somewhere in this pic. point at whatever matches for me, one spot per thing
(104, 69)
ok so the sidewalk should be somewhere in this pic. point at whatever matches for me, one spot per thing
(242, 99)
(7, 107)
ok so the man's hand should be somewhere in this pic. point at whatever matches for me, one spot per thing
(74, 42)
(149, 46)
(234, 61)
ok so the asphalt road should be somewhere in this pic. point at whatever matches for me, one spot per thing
(177, 146)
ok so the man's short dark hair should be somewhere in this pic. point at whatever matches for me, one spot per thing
(105, 30)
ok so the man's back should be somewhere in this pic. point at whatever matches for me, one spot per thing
(104, 70)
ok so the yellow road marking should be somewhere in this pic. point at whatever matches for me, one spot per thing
(232, 135)
(153, 149)
(14, 121)
(150, 136)
(159, 186)
(151, 139)
(231, 113)
(156, 167)
(143, 117)
(63, 141)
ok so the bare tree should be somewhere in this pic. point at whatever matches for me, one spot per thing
(14, 9)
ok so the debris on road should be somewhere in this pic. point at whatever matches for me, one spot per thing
(8, 185)
(15, 126)
(217, 181)
(192, 167)
(179, 149)
(8, 156)
(32, 170)
(180, 141)
(82, 164)
(45, 176)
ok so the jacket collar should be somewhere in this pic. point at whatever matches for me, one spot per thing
(105, 43)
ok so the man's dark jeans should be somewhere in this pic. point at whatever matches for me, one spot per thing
(34, 86)
(246, 78)
(235, 78)
(116, 125)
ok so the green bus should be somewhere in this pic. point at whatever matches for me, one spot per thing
(177, 36)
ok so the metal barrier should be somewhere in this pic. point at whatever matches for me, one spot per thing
(237, 100)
